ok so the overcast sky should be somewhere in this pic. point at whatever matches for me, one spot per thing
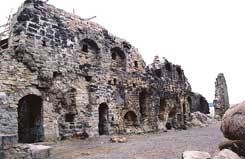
(204, 37)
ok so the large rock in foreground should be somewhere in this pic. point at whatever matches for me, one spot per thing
(195, 155)
(233, 122)
(237, 146)
(226, 154)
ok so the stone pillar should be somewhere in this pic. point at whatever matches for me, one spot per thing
(221, 100)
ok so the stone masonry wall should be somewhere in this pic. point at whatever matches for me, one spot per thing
(87, 81)
(221, 99)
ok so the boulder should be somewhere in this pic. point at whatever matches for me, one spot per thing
(237, 146)
(199, 119)
(226, 154)
(195, 155)
(233, 122)
(39, 151)
(118, 139)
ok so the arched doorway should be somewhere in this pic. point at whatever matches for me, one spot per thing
(103, 119)
(171, 115)
(130, 119)
(162, 109)
(143, 103)
(30, 119)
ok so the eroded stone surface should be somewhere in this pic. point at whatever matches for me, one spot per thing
(226, 154)
(221, 100)
(237, 146)
(233, 122)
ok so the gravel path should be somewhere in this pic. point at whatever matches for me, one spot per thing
(168, 145)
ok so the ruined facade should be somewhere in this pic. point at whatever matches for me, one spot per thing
(221, 99)
(63, 76)
(198, 103)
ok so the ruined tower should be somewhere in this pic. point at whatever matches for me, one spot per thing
(221, 100)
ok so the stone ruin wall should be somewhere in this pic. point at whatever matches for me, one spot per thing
(82, 81)
(221, 99)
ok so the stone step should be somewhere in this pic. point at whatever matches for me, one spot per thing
(39, 151)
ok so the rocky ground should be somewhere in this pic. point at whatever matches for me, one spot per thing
(164, 145)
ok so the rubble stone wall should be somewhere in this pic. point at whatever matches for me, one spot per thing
(89, 81)
(221, 99)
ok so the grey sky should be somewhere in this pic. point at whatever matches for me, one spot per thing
(204, 37)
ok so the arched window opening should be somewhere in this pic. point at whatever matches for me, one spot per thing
(30, 119)
(130, 119)
(89, 45)
(90, 51)
(136, 64)
(168, 67)
(118, 58)
(85, 48)
(158, 73)
(103, 119)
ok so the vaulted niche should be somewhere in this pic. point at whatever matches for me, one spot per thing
(90, 51)
(168, 67)
(30, 119)
(103, 119)
(179, 72)
(158, 73)
(118, 58)
(130, 119)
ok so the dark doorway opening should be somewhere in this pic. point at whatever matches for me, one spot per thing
(103, 119)
(130, 119)
(143, 103)
(30, 119)
(169, 126)
(162, 109)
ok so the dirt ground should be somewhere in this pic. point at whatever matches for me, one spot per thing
(162, 145)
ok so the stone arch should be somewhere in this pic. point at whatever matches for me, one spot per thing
(89, 45)
(30, 119)
(130, 119)
(24, 92)
(118, 58)
(90, 51)
(103, 119)
(162, 109)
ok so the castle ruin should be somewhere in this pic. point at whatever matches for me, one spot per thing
(63, 76)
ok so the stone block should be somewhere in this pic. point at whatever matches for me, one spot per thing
(39, 151)
(7, 141)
